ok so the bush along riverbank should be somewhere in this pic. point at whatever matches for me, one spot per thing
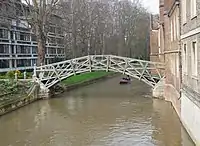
(82, 80)
(11, 75)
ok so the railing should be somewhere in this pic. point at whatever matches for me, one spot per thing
(146, 71)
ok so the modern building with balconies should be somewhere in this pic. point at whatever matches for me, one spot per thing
(18, 45)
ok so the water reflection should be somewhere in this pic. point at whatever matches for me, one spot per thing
(103, 114)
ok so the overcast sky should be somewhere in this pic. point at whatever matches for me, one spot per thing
(151, 5)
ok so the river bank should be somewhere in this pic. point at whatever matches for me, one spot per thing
(19, 93)
(81, 80)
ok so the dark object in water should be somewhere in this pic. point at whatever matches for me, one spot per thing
(125, 81)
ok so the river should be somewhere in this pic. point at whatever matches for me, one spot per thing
(101, 114)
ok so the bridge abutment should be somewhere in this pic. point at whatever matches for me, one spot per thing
(158, 90)
(44, 93)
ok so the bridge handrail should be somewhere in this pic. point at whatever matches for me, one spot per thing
(90, 56)
(50, 74)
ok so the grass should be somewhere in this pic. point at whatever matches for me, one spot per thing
(84, 77)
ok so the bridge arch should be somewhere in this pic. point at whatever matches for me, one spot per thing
(146, 71)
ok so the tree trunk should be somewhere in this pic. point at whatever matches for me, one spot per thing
(41, 51)
(41, 44)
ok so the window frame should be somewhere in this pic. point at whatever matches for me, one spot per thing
(193, 8)
(185, 58)
(184, 12)
(194, 59)
(171, 26)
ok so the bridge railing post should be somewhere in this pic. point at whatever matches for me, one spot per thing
(108, 63)
(34, 71)
(73, 68)
(90, 63)
(126, 64)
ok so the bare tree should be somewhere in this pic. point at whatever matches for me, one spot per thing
(105, 27)
(7, 13)
(38, 14)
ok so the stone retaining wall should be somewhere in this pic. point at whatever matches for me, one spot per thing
(158, 91)
(18, 103)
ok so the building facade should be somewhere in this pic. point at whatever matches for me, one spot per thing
(154, 39)
(179, 40)
(166, 48)
(18, 45)
(190, 43)
(172, 53)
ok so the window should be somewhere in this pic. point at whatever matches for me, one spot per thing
(193, 8)
(194, 58)
(11, 35)
(172, 31)
(177, 25)
(51, 51)
(4, 48)
(33, 37)
(177, 66)
(34, 61)
(184, 11)
(185, 60)
(22, 36)
(23, 50)
(60, 51)
(4, 64)
(34, 50)
(23, 62)
(3, 33)
(174, 27)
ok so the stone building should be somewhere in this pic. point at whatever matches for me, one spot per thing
(168, 49)
(154, 32)
(18, 46)
(190, 42)
(172, 53)
(179, 37)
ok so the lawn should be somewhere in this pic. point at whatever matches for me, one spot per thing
(84, 77)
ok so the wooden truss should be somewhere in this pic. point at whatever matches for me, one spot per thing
(146, 71)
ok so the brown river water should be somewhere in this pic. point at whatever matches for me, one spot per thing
(101, 114)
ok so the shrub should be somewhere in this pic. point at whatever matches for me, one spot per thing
(29, 75)
(10, 74)
(18, 72)
(3, 77)
(20, 76)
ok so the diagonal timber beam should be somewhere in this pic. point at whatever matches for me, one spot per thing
(145, 68)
